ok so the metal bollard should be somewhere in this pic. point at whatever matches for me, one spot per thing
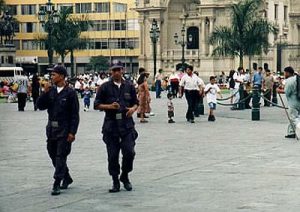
(255, 104)
(274, 95)
(241, 105)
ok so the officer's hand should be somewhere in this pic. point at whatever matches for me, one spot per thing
(71, 137)
(130, 111)
(115, 106)
(47, 87)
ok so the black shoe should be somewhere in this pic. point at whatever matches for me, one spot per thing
(192, 121)
(291, 136)
(115, 188)
(138, 115)
(171, 121)
(211, 118)
(127, 185)
(66, 182)
(56, 188)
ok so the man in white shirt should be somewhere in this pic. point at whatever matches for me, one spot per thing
(238, 79)
(192, 85)
(23, 85)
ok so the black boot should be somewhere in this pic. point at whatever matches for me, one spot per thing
(116, 185)
(67, 181)
(56, 188)
(125, 180)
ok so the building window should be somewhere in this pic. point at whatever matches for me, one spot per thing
(285, 14)
(101, 44)
(29, 27)
(13, 9)
(10, 60)
(17, 44)
(119, 25)
(29, 45)
(29, 9)
(83, 8)
(133, 24)
(119, 7)
(276, 12)
(62, 7)
(102, 7)
(101, 25)
(17, 27)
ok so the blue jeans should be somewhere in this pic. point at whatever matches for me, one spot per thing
(158, 88)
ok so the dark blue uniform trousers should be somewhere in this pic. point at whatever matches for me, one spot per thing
(114, 144)
(58, 150)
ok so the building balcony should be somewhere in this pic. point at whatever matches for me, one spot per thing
(176, 54)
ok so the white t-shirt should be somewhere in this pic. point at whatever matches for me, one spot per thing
(191, 82)
(59, 89)
(101, 81)
(22, 84)
(211, 96)
(238, 77)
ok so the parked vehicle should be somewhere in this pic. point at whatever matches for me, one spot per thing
(10, 74)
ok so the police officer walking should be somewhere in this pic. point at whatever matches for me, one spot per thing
(118, 99)
(63, 119)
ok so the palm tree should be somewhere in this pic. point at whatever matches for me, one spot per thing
(67, 35)
(2, 6)
(247, 35)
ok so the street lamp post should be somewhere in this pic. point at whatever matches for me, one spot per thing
(154, 35)
(183, 42)
(48, 16)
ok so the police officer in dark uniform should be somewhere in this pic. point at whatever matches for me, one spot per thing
(63, 119)
(118, 99)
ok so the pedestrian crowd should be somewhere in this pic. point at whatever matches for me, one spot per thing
(120, 96)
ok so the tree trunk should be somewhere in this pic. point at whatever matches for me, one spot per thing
(72, 63)
(241, 59)
(62, 57)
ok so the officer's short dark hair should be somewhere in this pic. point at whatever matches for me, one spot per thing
(289, 69)
(60, 69)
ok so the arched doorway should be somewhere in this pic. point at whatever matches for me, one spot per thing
(193, 38)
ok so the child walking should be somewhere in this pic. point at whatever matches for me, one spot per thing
(170, 108)
(211, 90)
(86, 98)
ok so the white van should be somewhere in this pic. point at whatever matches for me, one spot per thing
(10, 74)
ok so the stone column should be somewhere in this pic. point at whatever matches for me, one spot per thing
(211, 29)
(203, 52)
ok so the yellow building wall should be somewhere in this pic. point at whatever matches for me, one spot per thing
(130, 14)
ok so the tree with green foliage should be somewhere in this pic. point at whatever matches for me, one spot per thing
(67, 35)
(247, 35)
(98, 63)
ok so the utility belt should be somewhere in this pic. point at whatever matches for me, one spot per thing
(117, 116)
(55, 124)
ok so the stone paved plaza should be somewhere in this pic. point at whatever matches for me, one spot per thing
(234, 164)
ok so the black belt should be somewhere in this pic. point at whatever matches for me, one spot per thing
(53, 123)
(117, 116)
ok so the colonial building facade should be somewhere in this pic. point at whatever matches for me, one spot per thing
(194, 21)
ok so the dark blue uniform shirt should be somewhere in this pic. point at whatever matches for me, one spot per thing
(63, 111)
(115, 120)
